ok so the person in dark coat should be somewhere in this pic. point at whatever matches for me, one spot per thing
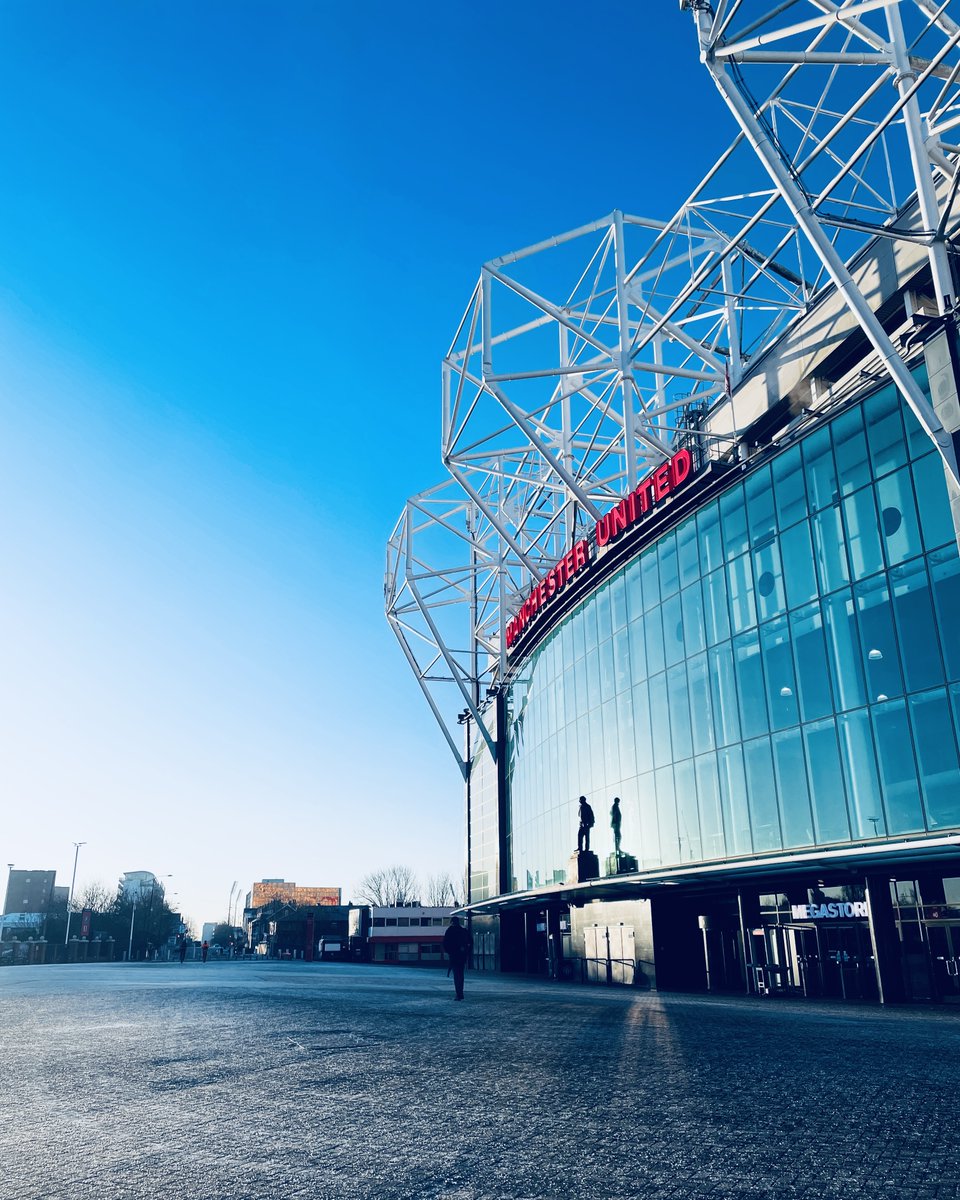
(457, 945)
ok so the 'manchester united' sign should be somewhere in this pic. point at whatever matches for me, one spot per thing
(630, 511)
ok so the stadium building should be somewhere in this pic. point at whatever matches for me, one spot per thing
(696, 555)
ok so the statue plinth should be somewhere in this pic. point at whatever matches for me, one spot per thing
(583, 865)
(620, 864)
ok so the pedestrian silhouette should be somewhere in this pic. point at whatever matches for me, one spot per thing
(457, 945)
(586, 824)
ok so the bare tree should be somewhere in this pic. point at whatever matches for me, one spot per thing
(389, 886)
(96, 896)
(443, 889)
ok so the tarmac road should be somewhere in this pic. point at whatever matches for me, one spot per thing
(276, 1081)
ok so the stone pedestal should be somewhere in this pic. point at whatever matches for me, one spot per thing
(620, 864)
(582, 866)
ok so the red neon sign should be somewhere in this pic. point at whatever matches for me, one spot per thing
(631, 509)
(647, 495)
(555, 580)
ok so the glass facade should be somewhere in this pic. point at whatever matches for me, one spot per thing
(484, 858)
(780, 671)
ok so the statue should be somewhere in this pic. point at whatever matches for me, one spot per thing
(619, 862)
(586, 824)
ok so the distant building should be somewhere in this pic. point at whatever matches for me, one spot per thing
(138, 886)
(30, 897)
(208, 928)
(280, 889)
(407, 934)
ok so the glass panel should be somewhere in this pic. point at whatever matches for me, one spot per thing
(811, 661)
(653, 628)
(778, 671)
(715, 613)
(766, 570)
(898, 517)
(608, 735)
(881, 655)
(608, 687)
(733, 519)
(725, 707)
(593, 677)
(634, 590)
(711, 544)
(750, 684)
(761, 522)
(863, 533)
(859, 760)
(641, 729)
(762, 790)
(789, 491)
(791, 770)
(733, 798)
(688, 555)
(898, 773)
(621, 662)
(937, 758)
(691, 602)
(701, 705)
(618, 602)
(626, 736)
(850, 451)
(649, 826)
(669, 567)
(672, 630)
(945, 578)
(930, 482)
(679, 712)
(711, 815)
(743, 611)
(830, 554)
(604, 620)
(799, 572)
(688, 816)
(818, 462)
(595, 735)
(843, 651)
(576, 626)
(830, 820)
(881, 413)
(913, 608)
(667, 817)
(650, 579)
(660, 721)
(638, 649)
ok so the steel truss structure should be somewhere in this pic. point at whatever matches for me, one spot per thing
(582, 362)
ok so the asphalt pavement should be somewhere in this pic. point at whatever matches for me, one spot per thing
(293, 1081)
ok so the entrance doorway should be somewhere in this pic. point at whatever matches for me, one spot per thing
(830, 960)
(943, 939)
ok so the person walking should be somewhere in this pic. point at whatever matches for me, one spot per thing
(183, 947)
(203, 951)
(457, 944)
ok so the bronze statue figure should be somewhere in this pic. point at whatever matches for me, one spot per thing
(586, 824)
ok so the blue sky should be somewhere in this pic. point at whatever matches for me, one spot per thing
(235, 241)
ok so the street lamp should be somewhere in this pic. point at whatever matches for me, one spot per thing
(73, 882)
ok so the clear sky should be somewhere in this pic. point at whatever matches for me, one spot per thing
(235, 241)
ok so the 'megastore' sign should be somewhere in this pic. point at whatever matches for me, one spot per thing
(823, 912)
(629, 512)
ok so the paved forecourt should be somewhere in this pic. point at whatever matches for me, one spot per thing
(275, 1081)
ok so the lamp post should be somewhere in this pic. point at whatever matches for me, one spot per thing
(133, 913)
(73, 883)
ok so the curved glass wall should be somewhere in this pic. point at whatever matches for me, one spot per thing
(781, 670)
